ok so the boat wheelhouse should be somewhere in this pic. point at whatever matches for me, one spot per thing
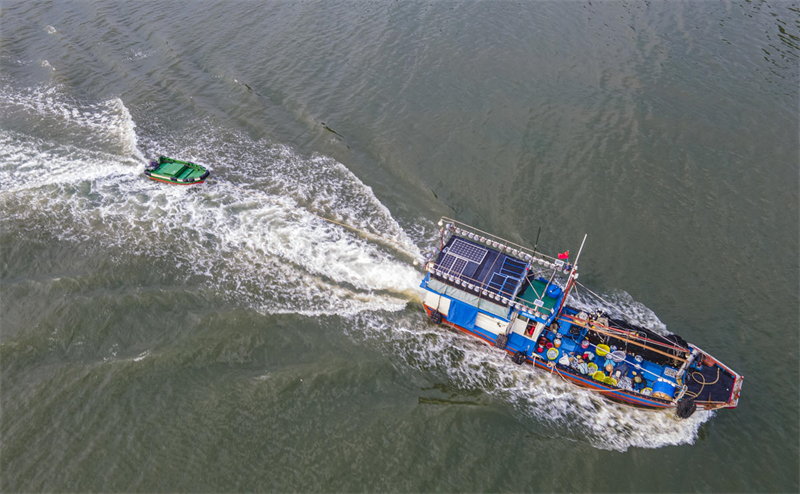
(515, 298)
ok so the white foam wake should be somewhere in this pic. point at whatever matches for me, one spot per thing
(50, 111)
(253, 236)
(568, 412)
(619, 305)
(258, 241)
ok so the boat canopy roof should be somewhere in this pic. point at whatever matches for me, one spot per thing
(495, 270)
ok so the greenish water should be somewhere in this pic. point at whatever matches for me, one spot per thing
(224, 338)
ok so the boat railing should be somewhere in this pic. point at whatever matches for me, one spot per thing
(452, 226)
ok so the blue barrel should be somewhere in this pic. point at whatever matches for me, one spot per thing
(664, 390)
(553, 291)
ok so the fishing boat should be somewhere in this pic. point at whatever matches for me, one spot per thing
(515, 299)
(174, 171)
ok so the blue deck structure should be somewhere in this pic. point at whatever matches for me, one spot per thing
(486, 269)
(495, 278)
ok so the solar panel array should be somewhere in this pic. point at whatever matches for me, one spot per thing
(468, 251)
(453, 265)
(459, 254)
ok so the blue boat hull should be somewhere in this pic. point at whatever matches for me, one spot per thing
(611, 393)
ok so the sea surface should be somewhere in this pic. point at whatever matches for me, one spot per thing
(226, 337)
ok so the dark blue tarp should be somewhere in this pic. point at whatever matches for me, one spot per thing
(462, 314)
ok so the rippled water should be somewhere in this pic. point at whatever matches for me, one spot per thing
(225, 338)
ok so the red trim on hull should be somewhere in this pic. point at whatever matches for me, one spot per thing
(613, 394)
(176, 183)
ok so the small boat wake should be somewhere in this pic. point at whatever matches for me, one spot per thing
(619, 305)
(257, 241)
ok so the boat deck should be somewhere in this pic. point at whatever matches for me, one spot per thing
(579, 353)
(536, 291)
(178, 170)
(171, 168)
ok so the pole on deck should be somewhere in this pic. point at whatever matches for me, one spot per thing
(571, 281)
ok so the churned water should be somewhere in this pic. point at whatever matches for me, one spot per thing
(224, 337)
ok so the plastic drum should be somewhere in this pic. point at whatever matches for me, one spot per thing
(610, 380)
(664, 390)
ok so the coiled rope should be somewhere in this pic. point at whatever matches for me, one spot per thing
(702, 381)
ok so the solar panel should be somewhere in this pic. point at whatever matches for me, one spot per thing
(447, 262)
(468, 251)
(453, 265)
(458, 256)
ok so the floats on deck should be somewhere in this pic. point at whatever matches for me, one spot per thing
(514, 298)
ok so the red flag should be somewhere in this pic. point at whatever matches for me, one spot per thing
(564, 255)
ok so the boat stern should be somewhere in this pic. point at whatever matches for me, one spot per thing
(719, 385)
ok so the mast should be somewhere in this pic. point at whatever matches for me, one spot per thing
(572, 275)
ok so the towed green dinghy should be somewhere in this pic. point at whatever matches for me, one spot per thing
(176, 172)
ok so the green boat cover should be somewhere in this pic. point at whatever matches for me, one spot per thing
(176, 171)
